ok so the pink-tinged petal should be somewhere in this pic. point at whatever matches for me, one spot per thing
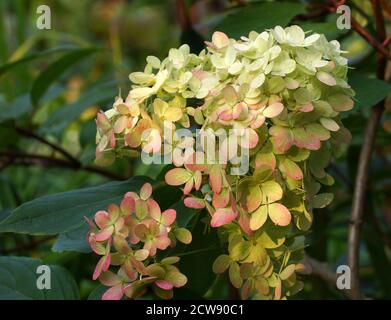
(153, 141)
(326, 78)
(98, 268)
(307, 108)
(102, 121)
(106, 262)
(162, 242)
(252, 198)
(291, 169)
(222, 217)
(119, 224)
(104, 234)
(259, 121)
(237, 110)
(128, 205)
(97, 247)
(132, 195)
(253, 139)
(114, 212)
(273, 110)
(244, 222)
(310, 142)
(120, 124)
(168, 217)
(265, 160)
(165, 285)
(112, 140)
(102, 219)
(220, 40)
(141, 231)
(151, 247)
(215, 178)
(195, 203)
(221, 200)
(128, 268)
(154, 209)
(279, 214)
(282, 139)
(196, 162)
(226, 115)
(197, 180)
(146, 191)
(188, 186)
(109, 279)
(177, 176)
(114, 293)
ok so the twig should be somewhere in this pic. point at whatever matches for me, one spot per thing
(20, 158)
(371, 40)
(363, 167)
(30, 134)
(182, 15)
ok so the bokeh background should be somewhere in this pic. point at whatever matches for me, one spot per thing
(53, 82)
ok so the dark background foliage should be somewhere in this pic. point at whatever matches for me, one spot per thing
(53, 82)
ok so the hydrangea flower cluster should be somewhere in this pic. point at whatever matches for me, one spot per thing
(287, 90)
(128, 236)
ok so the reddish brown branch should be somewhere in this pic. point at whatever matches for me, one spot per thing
(371, 40)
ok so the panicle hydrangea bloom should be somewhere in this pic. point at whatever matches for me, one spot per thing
(128, 236)
(287, 89)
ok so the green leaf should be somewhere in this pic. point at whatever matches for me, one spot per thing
(166, 196)
(183, 235)
(259, 17)
(199, 255)
(98, 292)
(221, 264)
(61, 118)
(322, 200)
(34, 56)
(329, 29)
(55, 70)
(63, 212)
(234, 275)
(22, 104)
(287, 272)
(73, 240)
(369, 91)
(18, 281)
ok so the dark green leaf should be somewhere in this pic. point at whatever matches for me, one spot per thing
(55, 70)
(60, 119)
(34, 56)
(369, 91)
(97, 293)
(329, 29)
(18, 281)
(65, 211)
(199, 255)
(73, 240)
(259, 17)
(22, 104)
